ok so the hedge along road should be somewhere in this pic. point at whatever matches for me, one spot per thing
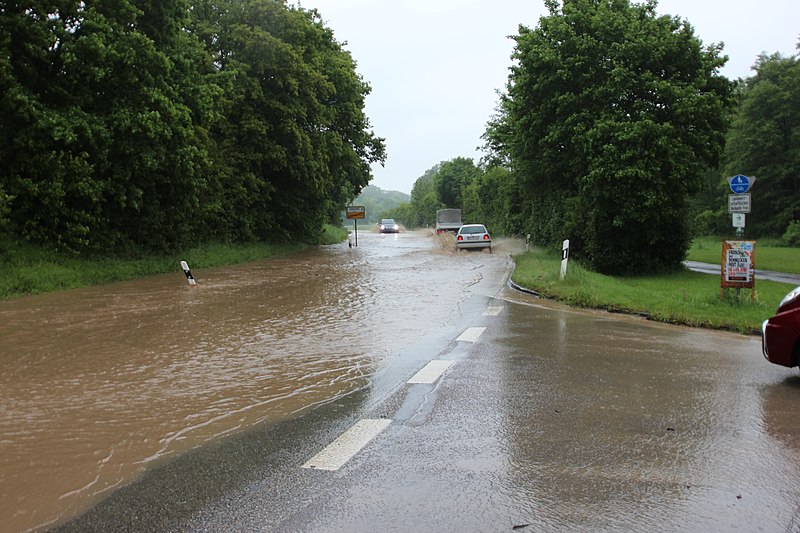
(101, 384)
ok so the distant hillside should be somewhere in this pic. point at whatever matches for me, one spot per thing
(377, 201)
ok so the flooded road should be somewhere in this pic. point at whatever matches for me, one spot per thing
(547, 419)
(102, 383)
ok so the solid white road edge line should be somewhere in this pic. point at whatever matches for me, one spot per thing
(471, 334)
(349, 443)
(430, 372)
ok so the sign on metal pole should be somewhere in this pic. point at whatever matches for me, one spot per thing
(738, 220)
(355, 212)
(740, 184)
(564, 258)
(739, 203)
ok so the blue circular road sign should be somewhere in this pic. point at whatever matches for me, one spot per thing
(739, 184)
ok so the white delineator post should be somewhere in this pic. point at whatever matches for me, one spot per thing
(564, 257)
(189, 277)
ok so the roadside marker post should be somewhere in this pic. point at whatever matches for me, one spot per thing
(564, 258)
(189, 276)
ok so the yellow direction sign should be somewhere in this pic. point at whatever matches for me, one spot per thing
(356, 211)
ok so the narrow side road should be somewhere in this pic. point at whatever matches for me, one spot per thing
(769, 275)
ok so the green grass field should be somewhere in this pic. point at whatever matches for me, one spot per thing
(27, 269)
(684, 297)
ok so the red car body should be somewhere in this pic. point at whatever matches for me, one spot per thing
(780, 335)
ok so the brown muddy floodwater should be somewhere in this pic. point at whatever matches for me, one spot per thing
(101, 383)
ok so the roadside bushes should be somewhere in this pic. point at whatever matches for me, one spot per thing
(792, 235)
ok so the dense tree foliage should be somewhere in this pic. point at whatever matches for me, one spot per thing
(452, 178)
(152, 124)
(424, 202)
(764, 141)
(501, 206)
(612, 115)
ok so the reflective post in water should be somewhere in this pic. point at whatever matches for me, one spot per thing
(189, 277)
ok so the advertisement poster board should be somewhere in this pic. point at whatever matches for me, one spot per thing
(738, 265)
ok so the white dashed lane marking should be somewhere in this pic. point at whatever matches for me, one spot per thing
(349, 443)
(492, 311)
(431, 372)
(352, 441)
(471, 334)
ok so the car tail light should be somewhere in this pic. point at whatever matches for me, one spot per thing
(485, 236)
(460, 238)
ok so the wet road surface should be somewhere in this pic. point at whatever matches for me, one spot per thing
(544, 418)
(568, 421)
(102, 384)
(530, 428)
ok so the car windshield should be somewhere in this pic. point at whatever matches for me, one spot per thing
(387, 222)
(473, 229)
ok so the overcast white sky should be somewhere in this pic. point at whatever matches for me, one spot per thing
(435, 65)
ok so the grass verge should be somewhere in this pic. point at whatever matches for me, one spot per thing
(768, 256)
(27, 269)
(685, 297)
(332, 234)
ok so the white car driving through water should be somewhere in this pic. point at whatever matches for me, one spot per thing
(473, 236)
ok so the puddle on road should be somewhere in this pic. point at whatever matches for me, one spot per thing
(100, 383)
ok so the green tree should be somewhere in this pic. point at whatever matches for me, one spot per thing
(452, 178)
(44, 161)
(156, 109)
(153, 124)
(764, 141)
(501, 201)
(612, 115)
(294, 144)
(424, 200)
(100, 139)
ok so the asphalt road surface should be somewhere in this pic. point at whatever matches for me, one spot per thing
(516, 414)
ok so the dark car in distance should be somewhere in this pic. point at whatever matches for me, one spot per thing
(780, 334)
(388, 225)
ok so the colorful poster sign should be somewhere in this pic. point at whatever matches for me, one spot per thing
(738, 264)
